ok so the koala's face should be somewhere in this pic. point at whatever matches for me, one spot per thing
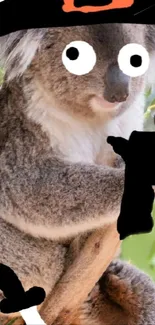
(78, 70)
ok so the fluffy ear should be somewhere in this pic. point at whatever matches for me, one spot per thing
(18, 49)
(150, 37)
(150, 44)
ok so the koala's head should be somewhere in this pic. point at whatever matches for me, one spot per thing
(85, 70)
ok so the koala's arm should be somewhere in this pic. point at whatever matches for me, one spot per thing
(50, 198)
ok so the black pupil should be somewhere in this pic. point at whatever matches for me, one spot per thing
(72, 53)
(136, 61)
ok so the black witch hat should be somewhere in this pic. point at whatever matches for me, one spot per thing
(26, 14)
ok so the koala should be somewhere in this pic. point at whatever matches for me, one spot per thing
(59, 178)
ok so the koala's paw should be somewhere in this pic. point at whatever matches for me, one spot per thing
(132, 290)
(119, 162)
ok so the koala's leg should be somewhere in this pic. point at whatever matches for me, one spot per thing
(36, 262)
(127, 296)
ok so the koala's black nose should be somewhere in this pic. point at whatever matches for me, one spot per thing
(116, 85)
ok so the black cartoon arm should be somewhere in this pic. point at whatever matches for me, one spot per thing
(137, 201)
(9, 283)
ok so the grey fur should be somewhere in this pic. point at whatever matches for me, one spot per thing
(124, 296)
(50, 193)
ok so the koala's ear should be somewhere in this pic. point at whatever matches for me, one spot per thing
(18, 49)
(150, 45)
(150, 37)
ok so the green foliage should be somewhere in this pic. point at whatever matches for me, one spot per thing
(1, 76)
(150, 109)
(11, 322)
(148, 92)
(140, 250)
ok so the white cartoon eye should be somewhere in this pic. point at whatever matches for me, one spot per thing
(79, 57)
(133, 60)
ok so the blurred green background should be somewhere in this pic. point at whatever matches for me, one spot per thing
(1, 76)
(139, 250)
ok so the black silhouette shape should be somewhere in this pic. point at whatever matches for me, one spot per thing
(137, 201)
(16, 298)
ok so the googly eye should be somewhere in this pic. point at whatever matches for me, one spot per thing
(79, 58)
(133, 60)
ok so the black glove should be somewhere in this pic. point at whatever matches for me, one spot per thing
(137, 201)
(16, 298)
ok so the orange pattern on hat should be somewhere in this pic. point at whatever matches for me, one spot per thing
(116, 4)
